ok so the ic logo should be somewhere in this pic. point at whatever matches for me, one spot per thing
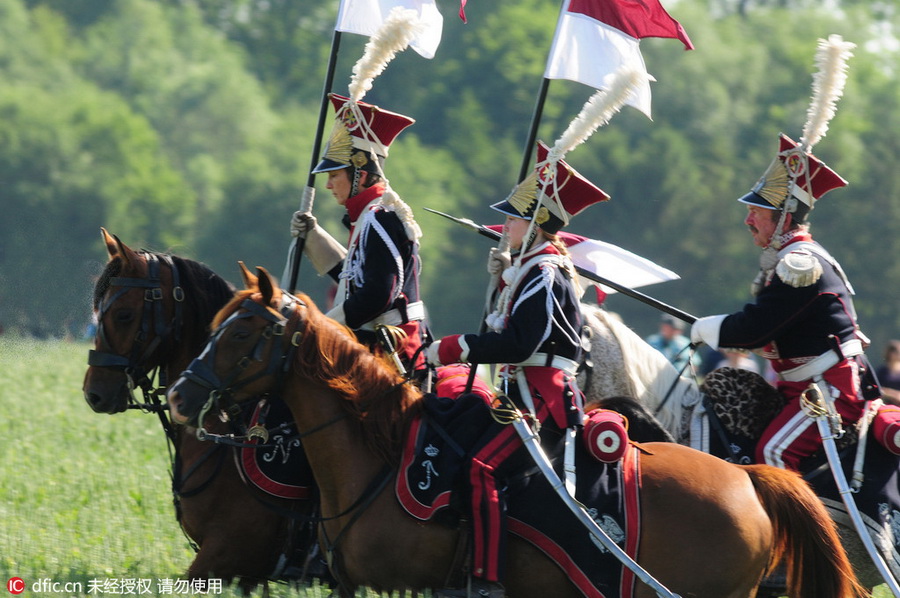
(15, 585)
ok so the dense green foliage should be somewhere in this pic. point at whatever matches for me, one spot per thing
(187, 125)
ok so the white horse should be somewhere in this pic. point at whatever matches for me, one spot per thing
(626, 365)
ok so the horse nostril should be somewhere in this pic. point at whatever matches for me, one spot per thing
(175, 402)
(94, 400)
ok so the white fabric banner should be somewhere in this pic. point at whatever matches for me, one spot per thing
(364, 17)
(617, 265)
(589, 51)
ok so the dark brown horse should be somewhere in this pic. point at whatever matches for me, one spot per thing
(709, 528)
(154, 313)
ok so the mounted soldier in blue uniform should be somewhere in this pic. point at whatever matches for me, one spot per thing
(534, 332)
(378, 270)
(803, 320)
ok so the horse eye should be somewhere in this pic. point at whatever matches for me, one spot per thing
(123, 316)
(240, 334)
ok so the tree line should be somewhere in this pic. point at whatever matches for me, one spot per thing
(187, 126)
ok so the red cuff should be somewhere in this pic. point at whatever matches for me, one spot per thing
(449, 350)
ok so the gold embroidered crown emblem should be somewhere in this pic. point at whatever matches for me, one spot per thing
(349, 119)
(795, 163)
(548, 173)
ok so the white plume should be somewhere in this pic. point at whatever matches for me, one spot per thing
(398, 30)
(828, 86)
(598, 110)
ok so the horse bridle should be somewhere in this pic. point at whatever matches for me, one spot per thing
(134, 366)
(222, 391)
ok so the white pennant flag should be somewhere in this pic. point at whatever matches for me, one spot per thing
(364, 17)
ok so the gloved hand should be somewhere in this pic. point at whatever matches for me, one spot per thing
(498, 261)
(450, 349)
(706, 330)
(432, 353)
(302, 223)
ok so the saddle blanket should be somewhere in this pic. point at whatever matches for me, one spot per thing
(431, 485)
(278, 465)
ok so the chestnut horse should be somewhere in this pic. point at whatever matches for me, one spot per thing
(634, 368)
(710, 529)
(147, 321)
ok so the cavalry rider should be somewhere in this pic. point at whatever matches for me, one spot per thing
(802, 320)
(378, 271)
(535, 332)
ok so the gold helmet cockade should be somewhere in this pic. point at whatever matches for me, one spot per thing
(360, 136)
(551, 194)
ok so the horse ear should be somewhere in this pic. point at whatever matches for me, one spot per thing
(267, 286)
(115, 247)
(249, 278)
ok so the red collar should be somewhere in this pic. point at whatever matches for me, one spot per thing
(544, 248)
(356, 204)
(796, 237)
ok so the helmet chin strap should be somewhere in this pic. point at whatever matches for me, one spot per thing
(775, 240)
(354, 187)
(769, 256)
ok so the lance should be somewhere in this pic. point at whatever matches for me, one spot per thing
(664, 307)
(532, 131)
(309, 192)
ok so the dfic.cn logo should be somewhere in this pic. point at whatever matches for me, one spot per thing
(15, 585)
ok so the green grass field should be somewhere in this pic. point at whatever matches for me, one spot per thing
(85, 497)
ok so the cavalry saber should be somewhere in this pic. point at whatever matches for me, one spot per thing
(665, 307)
(532, 443)
(834, 461)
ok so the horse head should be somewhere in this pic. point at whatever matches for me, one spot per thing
(246, 357)
(137, 303)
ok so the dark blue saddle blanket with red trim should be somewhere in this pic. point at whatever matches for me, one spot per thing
(432, 485)
(277, 465)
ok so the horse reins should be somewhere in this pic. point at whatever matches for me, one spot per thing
(221, 392)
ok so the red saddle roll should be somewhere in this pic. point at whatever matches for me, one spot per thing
(886, 427)
(452, 379)
(605, 435)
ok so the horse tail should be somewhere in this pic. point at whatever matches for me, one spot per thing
(805, 536)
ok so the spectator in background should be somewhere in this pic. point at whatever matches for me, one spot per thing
(888, 374)
(737, 358)
(671, 342)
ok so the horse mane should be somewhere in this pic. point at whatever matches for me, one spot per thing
(112, 269)
(205, 291)
(653, 377)
(373, 393)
